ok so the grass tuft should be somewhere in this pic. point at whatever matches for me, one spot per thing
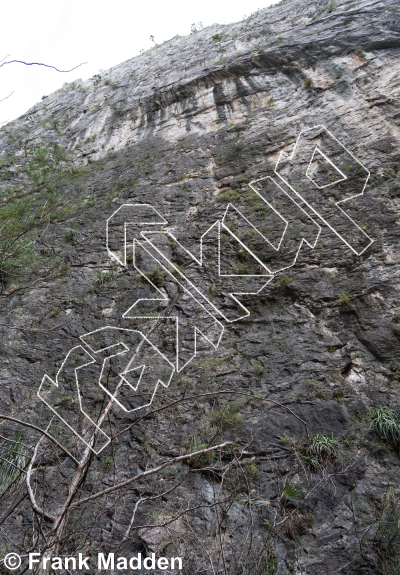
(12, 458)
(387, 425)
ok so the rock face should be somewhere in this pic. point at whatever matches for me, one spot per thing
(185, 128)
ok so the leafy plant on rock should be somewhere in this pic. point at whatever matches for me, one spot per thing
(332, 5)
(320, 449)
(30, 199)
(104, 277)
(228, 417)
(343, 297)
(308, 83)
(71, 234)
(387, 425)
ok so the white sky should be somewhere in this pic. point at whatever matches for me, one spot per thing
(65, 33)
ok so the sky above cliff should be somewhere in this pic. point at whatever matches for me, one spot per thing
(67, 32)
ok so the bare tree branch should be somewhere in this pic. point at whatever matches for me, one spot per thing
(39, 64)
(15, 442)
(12, 464)
(9, 418)
(2, 100)
(148, 472)
(211, 393)
(13, 508)
(32, 498)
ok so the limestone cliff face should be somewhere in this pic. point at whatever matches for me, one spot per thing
(186, 127)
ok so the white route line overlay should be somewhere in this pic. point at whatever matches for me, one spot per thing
(283, 155)
(303, 240)
(48, 379)
(145, 236)
(197, 330)
(128, 367)
(198, 292)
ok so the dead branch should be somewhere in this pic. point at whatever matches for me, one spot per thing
(43, 432)
(39, 64)
(6, 98)
(32, 498)
(149, 472)
(221, 392)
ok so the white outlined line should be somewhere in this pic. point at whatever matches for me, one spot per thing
(155, 218)
(129, 371)
(193, 289)
(284, 156)
(277, 248)
(145, 216)
(343, 176)
(119, 330)
(197, 330)
(47, 379)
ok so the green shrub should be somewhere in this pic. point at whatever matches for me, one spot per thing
(320, 449)
(69, 300)
(250, 469)
(343, 297)
(104, 277)
(157, 277)
(308, 83)
(386, 542)
(356, 354)
(54, 123)
(331, 6)
(196, 442)
(47, 250)
(228, 417)
(291, 493)
(258, 368)
(339, 395)
(228, 196)
(387, 425)
(178, 268)
(237, 145)
(266, 562)
(202, 460)
(117, 112)
(112, 84)
(196, 27)
(27, 206)
(71, 234)
(107, 460)
(96, 79)
(270, 103)
(285, 280)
